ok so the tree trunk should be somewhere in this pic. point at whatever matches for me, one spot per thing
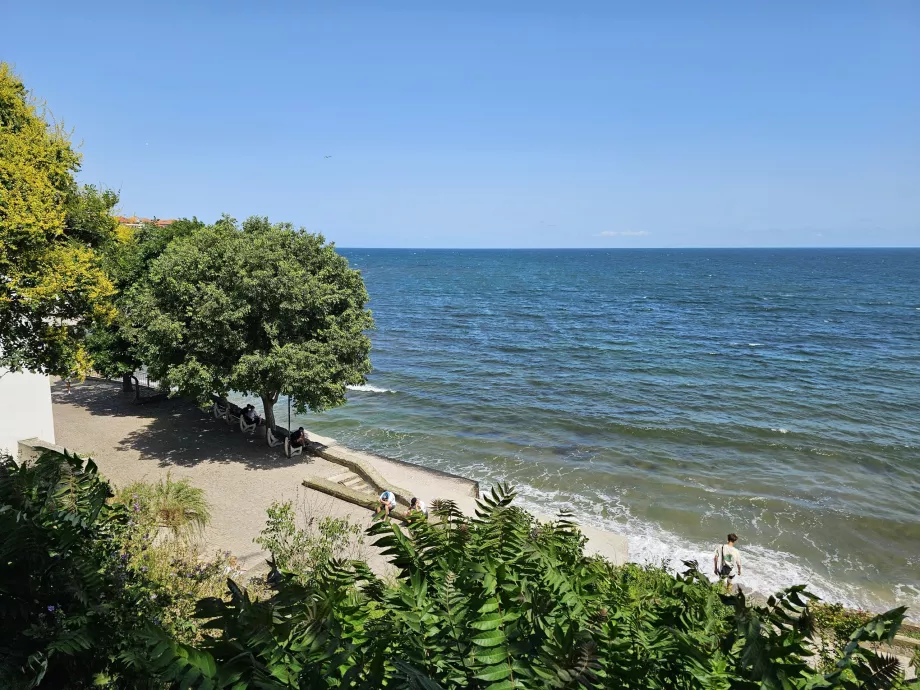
(268, 407)
(126, 384)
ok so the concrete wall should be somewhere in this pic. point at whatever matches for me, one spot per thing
(25, 409)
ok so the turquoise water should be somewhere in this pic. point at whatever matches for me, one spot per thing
(670, 395)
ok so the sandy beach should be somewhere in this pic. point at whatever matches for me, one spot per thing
(241, 475)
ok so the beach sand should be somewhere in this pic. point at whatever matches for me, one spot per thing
(241, 475)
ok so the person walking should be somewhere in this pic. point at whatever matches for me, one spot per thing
(726, 559)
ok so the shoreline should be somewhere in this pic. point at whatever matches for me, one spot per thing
(242, 476)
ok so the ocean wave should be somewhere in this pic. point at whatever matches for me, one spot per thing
(766, 570)
(365, 388)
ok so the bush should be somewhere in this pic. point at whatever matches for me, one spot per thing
(834, 624)
(167, 566)
(88, 597)
(174, 575)
(501, 601)
(68, 607)
(175, 505)
(302, 550)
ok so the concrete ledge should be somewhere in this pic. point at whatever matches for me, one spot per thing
(32, 448)
(347, 458)
(474, 485)
(356, 497)
(906, 641)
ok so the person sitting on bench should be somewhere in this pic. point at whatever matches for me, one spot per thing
(249, 414)
(298, 438)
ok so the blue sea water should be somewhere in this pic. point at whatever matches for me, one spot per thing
(669, 395)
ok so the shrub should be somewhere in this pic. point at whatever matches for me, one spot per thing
(175, 575)
(302, 550)
(175, 505)
(169, 568)
(834, 624)
(67, 604)
(501, 601)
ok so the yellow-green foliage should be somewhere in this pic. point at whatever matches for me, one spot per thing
(53, 285)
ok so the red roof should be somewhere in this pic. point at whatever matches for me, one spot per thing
(134, 220)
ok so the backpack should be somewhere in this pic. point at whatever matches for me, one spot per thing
(726, 569)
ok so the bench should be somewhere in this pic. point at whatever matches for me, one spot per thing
(272, 440)
(220, 411)
(290, 450)
(248, 428)
(233, 418)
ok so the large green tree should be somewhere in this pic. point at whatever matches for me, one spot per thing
(52, 286)
(127, 262)
(261, 309)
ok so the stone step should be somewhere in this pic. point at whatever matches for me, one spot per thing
(352, 481)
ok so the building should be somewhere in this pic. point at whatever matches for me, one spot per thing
(25, 409)
(136, 222)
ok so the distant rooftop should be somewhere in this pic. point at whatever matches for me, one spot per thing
(136, 222)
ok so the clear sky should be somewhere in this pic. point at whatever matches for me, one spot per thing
(496, 124)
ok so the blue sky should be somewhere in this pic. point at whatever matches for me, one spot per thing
(497, 124)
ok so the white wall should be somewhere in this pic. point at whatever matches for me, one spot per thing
(25, 409)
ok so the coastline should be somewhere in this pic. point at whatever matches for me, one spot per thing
(240, 474)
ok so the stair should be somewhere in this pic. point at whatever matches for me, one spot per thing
(353, 481)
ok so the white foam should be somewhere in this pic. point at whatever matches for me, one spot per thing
(765, 570)
(780, 430)
(365, 388)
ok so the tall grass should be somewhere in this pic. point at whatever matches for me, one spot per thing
(175, 505)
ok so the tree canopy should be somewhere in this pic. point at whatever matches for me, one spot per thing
(52, 286)
(127, 262)
(260, 309)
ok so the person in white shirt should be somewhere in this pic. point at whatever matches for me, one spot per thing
(387, 501)
(417, 505)
(727, 558)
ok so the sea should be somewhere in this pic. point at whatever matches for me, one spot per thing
(671, 396)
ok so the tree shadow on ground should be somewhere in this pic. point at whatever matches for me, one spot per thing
(104, 398)
(178, 433)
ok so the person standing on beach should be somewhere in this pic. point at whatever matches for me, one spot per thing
(726, 559)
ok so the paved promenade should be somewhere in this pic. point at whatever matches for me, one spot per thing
(240, 474)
